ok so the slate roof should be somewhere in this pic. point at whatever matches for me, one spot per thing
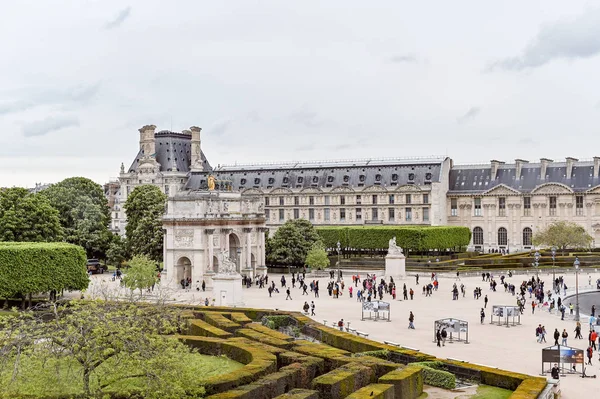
(469, 179)
(172, 147)
(298, 175)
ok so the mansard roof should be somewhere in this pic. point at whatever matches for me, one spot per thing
(172, 148)
(476, 179)
(303, 175)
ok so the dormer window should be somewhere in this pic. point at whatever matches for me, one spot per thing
(362, 178)
(411, 176)
(378, 177)
(427, 176)
(243, 181)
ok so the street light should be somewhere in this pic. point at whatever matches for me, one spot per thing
(339, 250)
(576, 264)
(553, 259)
(537, 263)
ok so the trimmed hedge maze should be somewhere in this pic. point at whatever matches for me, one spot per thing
(339, 365)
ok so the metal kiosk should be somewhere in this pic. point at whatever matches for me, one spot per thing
(458, 330)
(505, 315)
(566, 357)
(376, 310)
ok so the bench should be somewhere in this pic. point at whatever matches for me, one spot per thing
(391, 343)
(352, 330)
(362, 334)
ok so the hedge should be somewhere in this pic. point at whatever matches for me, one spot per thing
(409, 238)
(220, 321)
(203, 329)
(299, 394)
(27, 268)
(375, 391)
(341, 382)
(432, 375)
(263, 338)
(267, 331)
(407, 382)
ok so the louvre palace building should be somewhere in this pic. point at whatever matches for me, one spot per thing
(503, 204)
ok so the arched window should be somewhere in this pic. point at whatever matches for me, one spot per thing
(527, 233)
(502, 236)
(477, 236)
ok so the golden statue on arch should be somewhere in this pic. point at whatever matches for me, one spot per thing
(211, 182)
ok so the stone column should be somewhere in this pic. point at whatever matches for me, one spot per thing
(209, 273)
(261, 267)
(247, 265)
(225, 239)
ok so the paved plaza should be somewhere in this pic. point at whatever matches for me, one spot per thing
(512, 348)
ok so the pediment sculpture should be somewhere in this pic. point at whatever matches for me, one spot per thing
(226, 265)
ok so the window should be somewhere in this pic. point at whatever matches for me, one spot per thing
(267, 214)
(391, 214)
(408, 198)
(281, 215)
(311, 200)
(579, 205)
(342, 215)
(453, 207)
(477, 206)
(374, 214)
(501, 206)
(374, 199)
(552, 206)
(426, 198)
(266, 201)
(408, 212)
(311, 214)
(327, 214)
(358, 200)
(296, 201)
(167, 190)
(527, 233)
(342, 200)
(281, 201)
(426, 214)
(391, 199)
(296, 213)
(477, 236)
(526, 206)
(327, 200)
(502, 236)
(358, 213)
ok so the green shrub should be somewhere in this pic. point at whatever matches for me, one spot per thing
(381, 354)
(434, 375)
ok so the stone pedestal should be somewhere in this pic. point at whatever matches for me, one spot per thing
(395, 266)
(227, 290)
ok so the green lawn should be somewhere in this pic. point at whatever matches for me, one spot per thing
(489, 392)
(54, 376)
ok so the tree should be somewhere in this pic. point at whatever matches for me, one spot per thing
(84, 213)
(563, 234)
(117, 251)
(145, 208)
(291, 242)
(317, 257)
(109, 342)
(27, 217)
(141, 273)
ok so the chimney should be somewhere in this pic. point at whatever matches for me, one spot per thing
(495, 167)
(570, 162)
(147, 142)
(544, 162)
(519, 166)
(196, 159)
(596, 166)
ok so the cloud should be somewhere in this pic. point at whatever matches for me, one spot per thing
(219, 128)
(569, 39)
(307, 147)
(527, 141)
(50, 124)
(119, 19)
(34, 98)
(404, 58)
(471, 113)
(307, 118)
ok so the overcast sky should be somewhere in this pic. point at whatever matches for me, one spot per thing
(295, 80)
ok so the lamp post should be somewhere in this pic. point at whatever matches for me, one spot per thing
(553, 259)
(339, 251)
(537, 263)
(576, 264)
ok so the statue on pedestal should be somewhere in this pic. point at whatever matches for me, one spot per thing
(393, 248)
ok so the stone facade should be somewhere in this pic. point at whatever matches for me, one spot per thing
(206, 229)
(504, 205)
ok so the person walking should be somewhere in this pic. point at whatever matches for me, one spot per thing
(482, 315)
(565, 335)
(417, 278)
(444, 336)
(203, 285)
(287, 291)
(556, 336)
(590, 353)
(532, 307)
(312, 308)
(341, 325)
(438, 336)
(306, 307)
(543, 334)
(411, 321)
(405, 293)
(578, 331)
(485, 301)
(412, 293)
(592, 338)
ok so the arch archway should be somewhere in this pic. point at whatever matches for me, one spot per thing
(253, 261)
(527, 234)
(215, 264)
(183, 269)
(502, 236)
(235, 250)
(477, 236)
